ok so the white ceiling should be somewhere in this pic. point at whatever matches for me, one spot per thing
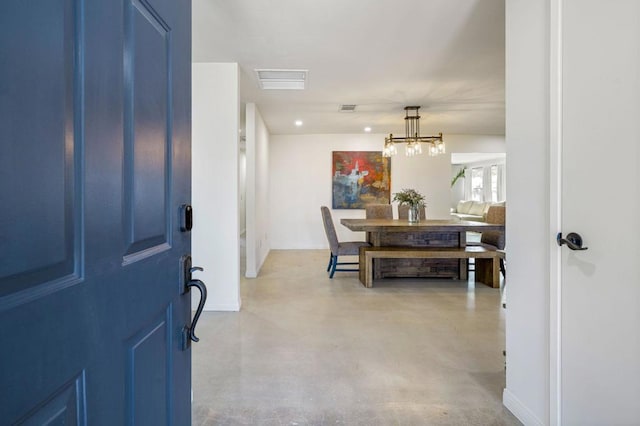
(382, 55)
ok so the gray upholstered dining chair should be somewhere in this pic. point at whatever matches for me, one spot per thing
(378, 211)
(350, 248)
(403, 212)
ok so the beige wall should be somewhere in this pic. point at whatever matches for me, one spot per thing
(300, 181)
(257, 211)
(527, 124)
(215, 177)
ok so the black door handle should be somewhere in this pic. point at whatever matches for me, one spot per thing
(203, 298)
(189, 332)
(573, 241)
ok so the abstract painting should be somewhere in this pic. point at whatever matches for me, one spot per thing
(360, 178)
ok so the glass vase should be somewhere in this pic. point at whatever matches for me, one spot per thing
(414, 214)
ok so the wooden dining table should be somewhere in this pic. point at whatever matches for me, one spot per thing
(426, 233)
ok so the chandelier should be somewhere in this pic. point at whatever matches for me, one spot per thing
(434, 144)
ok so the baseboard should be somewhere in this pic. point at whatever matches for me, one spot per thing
(518, 409)
(253, 273)
(261, 261)
(324, 246)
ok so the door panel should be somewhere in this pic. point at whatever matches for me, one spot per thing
(65, 407)
(95, 140)
(147, 125)
(148, 373)
(39, 86)
(600, 295)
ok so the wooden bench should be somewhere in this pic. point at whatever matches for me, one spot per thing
(487, 268)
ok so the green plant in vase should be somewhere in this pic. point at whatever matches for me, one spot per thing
(413, 199)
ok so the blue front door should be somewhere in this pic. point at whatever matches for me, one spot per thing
(95, 101)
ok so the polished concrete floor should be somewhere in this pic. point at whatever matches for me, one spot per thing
(308, 350)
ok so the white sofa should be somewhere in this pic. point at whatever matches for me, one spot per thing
(473, 210)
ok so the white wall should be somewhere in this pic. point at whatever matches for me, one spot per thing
(242, 176)
(257, 191)
(527, 134)
(301, 182)
(457, 190)
(215, 187)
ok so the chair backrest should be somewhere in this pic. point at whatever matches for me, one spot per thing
(329, 229)
(497, 215)
(379, 211)
(403, 212)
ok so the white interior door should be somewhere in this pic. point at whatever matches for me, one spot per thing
(599, 123)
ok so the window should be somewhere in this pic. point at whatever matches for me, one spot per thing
(477, 184)
(484, 180)
(494, 183)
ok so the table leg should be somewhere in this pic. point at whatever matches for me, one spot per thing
(463, 273)
(488, 271)
(463, 265)
(374, 239)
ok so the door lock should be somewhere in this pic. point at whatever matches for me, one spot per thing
(186, 217)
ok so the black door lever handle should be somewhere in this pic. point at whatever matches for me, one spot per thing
(187, 281)
(573, 241)
(194, 269)
(203, 298)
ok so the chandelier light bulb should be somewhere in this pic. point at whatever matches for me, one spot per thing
(389, 148)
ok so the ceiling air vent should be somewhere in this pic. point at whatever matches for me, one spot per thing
(282, 79)
(347, 108)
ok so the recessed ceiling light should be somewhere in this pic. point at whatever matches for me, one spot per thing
(367, 129)
(298, 123)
